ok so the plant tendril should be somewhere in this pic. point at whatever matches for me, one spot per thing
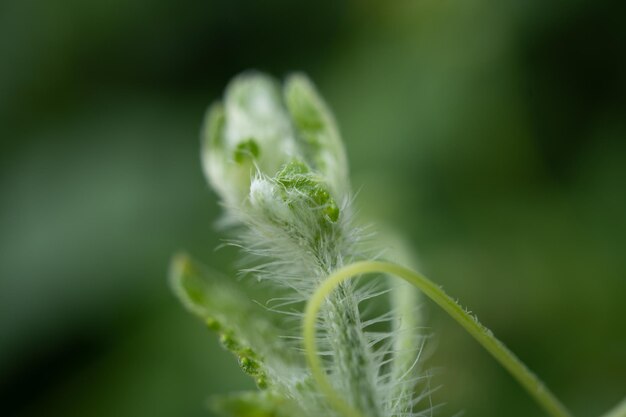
(533, 385)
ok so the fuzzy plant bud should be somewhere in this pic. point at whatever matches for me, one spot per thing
(270, 147)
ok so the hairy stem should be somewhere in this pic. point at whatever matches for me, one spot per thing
(351, 351)
(484, 336)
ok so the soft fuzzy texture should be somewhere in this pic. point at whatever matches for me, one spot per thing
(277, 162)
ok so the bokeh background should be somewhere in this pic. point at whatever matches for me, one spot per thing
(492, 134)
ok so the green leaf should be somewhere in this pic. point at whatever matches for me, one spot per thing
(254, 109)
(253, 404)
(317, 132)
(243, 327)
(249, 131)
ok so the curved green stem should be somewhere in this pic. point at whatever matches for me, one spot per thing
(484, 336)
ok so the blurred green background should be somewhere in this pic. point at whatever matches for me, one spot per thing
(491, 133)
